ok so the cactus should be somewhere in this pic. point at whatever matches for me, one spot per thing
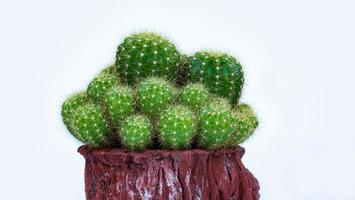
(146, 54)
(194, 96)
(136, 132)
(216, 125)
(154, 95)
(100, 85)
(119, 104)
(177, 127)
(89, 122)
(247, 122)
(182, 71)
(222, 74)
(112, 70)
(69, 107)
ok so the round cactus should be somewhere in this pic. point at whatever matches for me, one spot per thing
(216, 124)
(100, 85)
(177, 127)
(136, 132)
(222, 74)
(69, 107)
(146, 54)
(194, 96)
(154, 95)
(89, 122)
(111, 69)
(119, 104)
(247, 122)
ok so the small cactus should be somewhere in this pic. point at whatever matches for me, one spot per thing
(194, 96)
(177, 127)
(216, 124)
(222, 74)
(100, 85)
(146, 54)
(136, 133)
(69, 107)
(111, 69)
(247, 122)
(89, 122)
(154, 95)
(119, 104)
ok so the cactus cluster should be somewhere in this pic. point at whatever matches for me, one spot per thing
(156, 97)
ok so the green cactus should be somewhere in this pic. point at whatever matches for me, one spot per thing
(182, 71)
(119, 104)
(69, 107)
(216, 124)
(111, 69)
(247, 122)
(194, 96)
(146, 54)
(136, 133)
(221, 73)
(100, 85)
(177, 127)
(154, 95)
(89, 122)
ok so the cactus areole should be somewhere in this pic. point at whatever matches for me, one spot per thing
(161, 124)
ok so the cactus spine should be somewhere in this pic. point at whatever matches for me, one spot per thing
(136, 133)
(69, 107)
(194, 96)
(154, 95)
(119, 104)
(146, 54)
(89, 122)
(222, 74)
(177, 127)
(100, 85)
(247, 122)
(217, 125)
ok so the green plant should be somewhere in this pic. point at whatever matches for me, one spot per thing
(100, 85)
(111, 70)
(221, 73)
(216, 124)
(154, 95)
(69, 107)
(177, 127)
(90, 124)
(194, 96)
(119, 104)
(136, 133)
(146, 54)
(247, 122)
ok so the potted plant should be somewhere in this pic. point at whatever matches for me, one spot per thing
(161, 125)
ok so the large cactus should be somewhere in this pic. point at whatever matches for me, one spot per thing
(221, 73)
(119, 104)
(177, 127)
(146, 54)
(69, 107)
(90, 124)
(247, 121)
(154, 95)
(136, 133)
(216, 124)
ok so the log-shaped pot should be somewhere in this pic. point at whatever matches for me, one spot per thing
(115, 174)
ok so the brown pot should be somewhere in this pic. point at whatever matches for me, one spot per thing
(112, 174)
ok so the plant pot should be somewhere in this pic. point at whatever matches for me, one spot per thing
(112, 174)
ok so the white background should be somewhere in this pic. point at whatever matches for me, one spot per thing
(299, 62)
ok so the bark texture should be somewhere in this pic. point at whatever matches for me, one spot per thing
(114, 174)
